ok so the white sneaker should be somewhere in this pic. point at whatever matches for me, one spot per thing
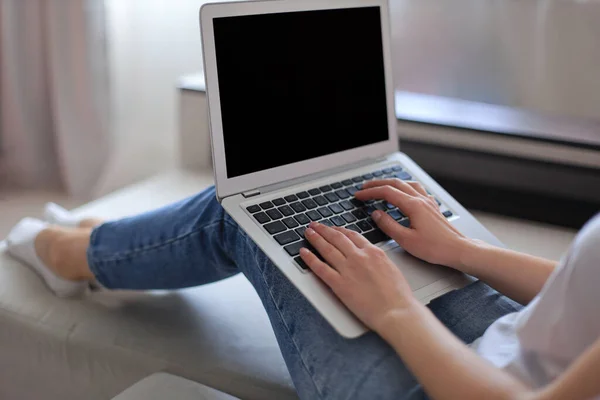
(20, 244)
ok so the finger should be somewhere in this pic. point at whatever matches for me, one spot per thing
(355, 237)
(327, 250)
(397, 183)
(400, 199)
(321, 269)
(336, 238)
(418, 187)
(433, 201)
(390, 227)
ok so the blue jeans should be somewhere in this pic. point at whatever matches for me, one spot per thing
(194, 242)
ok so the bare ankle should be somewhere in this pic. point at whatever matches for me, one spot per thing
(63, 251)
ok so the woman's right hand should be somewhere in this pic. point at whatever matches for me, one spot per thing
(430, 236)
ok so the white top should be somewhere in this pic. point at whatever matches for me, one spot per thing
(538, 343)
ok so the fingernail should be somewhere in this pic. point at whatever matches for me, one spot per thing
(376, 215)
(313, 224)
(309, 232)
(304, 251)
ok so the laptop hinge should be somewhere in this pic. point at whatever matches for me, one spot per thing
(251, 193)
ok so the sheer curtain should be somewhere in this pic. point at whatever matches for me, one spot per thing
(54, 94)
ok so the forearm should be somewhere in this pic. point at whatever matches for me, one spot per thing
(516, 275)
(445, 367)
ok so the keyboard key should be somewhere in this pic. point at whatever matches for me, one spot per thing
(379, 206)
(375, 236)
(336, 185)
(358, 179)
(290, 198)
(369, 210)
(387, 171)
(352, 190)
(301, 263)
(347, 182)
(309, 203)
(253, 209)
(439, 203)
(346, 205)
(279, 202)
(349, 217)
(320, 200)
(372, 223)
(294, 248)
(261, 217)
(266, 205)
(395, 214)
(325, 188)
(275, 227)
(314, 192)
(356, 202)
(377, 173)
(298, 207)
(290, 222)
(364, 225)
(336, 208)
(332, 197)
(286, 237)
(314, 215)
(286, 210)
(274, 214)
(396, 168)
(342, 194)
(325, 212)
(353, 227)
(302, 195)
(359, 186)
(302, 219)
(447, 213)
(300, 231)
(337, 220)
(359, 214)
(405, 176)
(326, 222)
(368, 176)
(405, 222)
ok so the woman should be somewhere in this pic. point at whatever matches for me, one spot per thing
(549, 349)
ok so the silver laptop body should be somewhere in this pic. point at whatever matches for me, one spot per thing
(301, 106)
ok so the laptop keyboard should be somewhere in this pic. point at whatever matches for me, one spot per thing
(287, 218)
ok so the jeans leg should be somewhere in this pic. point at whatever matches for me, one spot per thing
(195, 242)
(173, 247)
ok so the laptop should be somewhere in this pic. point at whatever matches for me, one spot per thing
(301, 107)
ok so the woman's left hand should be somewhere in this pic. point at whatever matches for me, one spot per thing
(359, 273)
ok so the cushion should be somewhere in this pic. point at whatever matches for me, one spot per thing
(96, 347)
(163, 386)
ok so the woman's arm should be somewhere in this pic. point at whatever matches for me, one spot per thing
(373, 288)
(516, 275)
(433, 239)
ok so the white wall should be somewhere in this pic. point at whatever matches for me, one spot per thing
(151, 44)
(537, 54)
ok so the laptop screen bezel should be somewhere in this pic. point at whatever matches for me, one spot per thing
(229, 186)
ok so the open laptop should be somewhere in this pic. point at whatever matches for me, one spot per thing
(301, 105)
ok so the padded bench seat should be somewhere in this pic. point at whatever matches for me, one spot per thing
(96, 347)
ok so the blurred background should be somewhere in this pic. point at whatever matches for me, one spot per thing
(90, 92)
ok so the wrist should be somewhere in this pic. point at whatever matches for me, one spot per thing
(468, 252)
(392, 320)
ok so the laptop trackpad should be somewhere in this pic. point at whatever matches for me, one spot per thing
(418, 273)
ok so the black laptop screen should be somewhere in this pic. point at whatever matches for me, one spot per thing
(299, 85)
